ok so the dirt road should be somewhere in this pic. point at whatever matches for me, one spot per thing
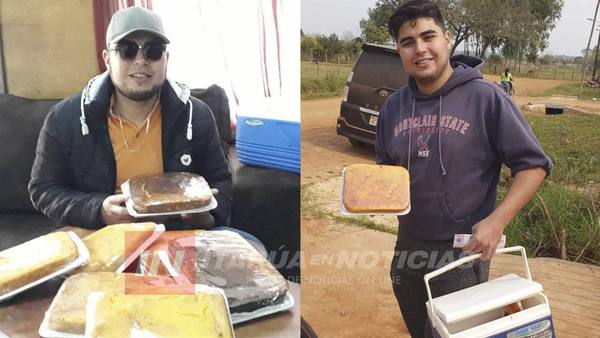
(347, 300)
(345, 289)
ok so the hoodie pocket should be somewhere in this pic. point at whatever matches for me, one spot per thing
(449, 211)
(430, 217)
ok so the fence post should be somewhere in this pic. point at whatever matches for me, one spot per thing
(317, 69)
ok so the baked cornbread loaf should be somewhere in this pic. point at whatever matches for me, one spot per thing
(200, 315)
(175, 191)
(110, 245)
(376, 188)
(67, 312)
(224, 259)
(35, 259)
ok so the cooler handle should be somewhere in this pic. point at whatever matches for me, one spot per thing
(467, 259)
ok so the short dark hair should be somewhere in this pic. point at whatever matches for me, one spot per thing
(411, 10)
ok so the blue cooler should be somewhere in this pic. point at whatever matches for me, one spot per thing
(479, 311)
(269, 143)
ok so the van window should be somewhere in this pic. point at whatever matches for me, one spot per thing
(379, 69)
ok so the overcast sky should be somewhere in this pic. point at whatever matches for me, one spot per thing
(338, 16)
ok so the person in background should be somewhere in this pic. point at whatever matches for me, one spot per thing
(506, 80)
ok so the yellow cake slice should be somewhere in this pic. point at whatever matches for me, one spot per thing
(376, 188)
(67, 312)
(200, 315)
(110, 245)
(35, 259)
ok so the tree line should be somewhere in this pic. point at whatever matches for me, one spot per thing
(515, 30)
(330, 48)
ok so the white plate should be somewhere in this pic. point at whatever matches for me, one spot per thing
(131, 210)
(84, 256)
(349, 213)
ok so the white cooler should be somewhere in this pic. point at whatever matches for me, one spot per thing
(478, 311)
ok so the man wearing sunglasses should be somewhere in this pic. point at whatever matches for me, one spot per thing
(129, 121)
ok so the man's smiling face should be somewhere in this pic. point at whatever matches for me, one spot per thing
(424, 49)
(138, 79)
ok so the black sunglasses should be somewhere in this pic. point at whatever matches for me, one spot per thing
(128, 50)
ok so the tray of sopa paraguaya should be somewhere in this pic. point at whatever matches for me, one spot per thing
(38, 260)
(170, 193)
(113, 247)
(201, 314)
(373, 189)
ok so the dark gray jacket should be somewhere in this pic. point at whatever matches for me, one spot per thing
(74, 168)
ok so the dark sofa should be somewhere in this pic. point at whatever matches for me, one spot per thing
(20, 123)
(266, 201)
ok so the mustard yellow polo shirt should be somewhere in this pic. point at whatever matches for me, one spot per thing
(137, 149)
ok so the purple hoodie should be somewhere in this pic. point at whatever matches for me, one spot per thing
(454, 169)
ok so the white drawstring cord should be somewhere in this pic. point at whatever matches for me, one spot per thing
(189, 126)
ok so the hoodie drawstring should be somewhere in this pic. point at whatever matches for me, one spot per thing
(440, 137)
(85, 130)
(412, 116)
(189, 126)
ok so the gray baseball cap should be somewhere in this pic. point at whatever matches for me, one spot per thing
(134, 19)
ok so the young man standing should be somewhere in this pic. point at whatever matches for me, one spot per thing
(452, 131)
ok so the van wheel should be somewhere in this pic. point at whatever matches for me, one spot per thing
(356, 143)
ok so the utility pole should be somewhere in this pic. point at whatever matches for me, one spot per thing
(586, 51)
(596, 56)
(596, 53)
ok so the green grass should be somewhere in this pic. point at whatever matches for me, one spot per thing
(572, 142)
(323, 80)
(329, 86)
(587, 93)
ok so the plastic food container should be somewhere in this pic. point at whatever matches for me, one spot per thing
(82, 258)
(480, 310)
(184, 186)
(225, 247)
